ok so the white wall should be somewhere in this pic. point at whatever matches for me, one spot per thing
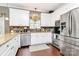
(63, 9)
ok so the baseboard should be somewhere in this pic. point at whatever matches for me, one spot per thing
(25, 46)
(61, 54)
(20, 48)
(55, 47)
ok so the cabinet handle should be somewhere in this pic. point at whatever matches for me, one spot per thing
(7, 45)
(12, 47)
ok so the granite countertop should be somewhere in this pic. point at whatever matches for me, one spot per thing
(5, 38)
(40, 32)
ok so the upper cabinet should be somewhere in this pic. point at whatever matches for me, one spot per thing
(46, 19)
(19, 17)
(53, 19)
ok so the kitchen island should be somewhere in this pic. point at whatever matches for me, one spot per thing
(41, 37)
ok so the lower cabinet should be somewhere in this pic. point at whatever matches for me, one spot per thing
(35, 38)
(40, 38)
(25, 39)
(10, 48)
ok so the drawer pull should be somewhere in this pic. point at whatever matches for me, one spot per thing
(7, 45)
(12, 47)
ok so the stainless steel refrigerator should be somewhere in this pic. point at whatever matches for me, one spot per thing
(70, 32)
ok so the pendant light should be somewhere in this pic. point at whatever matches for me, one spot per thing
(35, 17)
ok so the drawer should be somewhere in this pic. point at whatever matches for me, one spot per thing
(5, 46)
(9, 52)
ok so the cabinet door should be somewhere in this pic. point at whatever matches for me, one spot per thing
(3, 50)
(19, 17)
(39, 38)
(17, 40)
(45, 19)
(6, 53)
(44, 38)
(28, 39)
(25, 39)
(11, 51)
(14, 46)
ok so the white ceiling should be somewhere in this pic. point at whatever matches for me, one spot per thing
(43, 7)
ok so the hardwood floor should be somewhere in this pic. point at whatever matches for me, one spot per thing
(52, 51)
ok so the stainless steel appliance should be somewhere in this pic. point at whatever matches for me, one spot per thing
(71, 30)
(55, 36)
(68, 26)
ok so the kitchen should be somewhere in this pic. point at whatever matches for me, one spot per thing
(34, 27)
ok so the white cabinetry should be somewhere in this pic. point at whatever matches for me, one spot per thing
(19, 17)
(39, 38)
(10, 48)
(46, 19)
(53, 19)
(25, 39)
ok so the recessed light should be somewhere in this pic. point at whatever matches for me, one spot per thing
(6, 18)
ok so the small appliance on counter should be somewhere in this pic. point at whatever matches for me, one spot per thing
(19, 29)
(57, 27)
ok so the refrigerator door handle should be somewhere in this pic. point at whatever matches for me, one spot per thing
(69, 32)
(70, 23)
